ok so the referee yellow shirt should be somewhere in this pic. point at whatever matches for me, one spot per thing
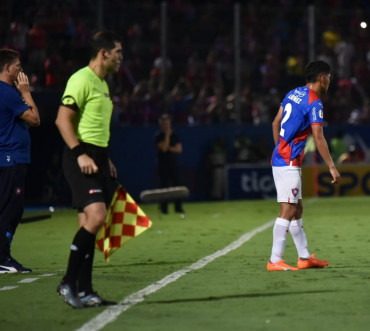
(88, 94)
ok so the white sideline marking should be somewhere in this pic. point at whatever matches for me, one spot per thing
(27, 280)
(111, 313)
(6, 288)
(47, 275)
(24, 281)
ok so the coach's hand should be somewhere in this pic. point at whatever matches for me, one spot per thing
(87, 164)
(22, 84)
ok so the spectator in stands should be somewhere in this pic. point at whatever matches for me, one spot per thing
(180, 102)
(199, 32)
(353, 155)
(337, 146)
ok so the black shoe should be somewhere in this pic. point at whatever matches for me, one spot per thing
(69, 295)
(18, 266)
(7, 269)
(164, 211)
(95, 300)
(12, 266)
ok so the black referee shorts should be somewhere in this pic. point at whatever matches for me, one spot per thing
(88, 189)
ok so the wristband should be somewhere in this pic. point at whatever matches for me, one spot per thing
(78, 150)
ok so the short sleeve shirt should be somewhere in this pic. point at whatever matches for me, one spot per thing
(301, 109)
(15, 141)
(88, 95)
(167, 158)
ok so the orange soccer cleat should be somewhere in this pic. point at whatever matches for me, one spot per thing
(312, 262)
(279, 266)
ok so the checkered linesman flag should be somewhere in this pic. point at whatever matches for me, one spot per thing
(125, 220)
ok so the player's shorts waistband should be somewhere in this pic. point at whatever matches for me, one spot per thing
(287, 166)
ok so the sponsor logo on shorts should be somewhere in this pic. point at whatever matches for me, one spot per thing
(95, 190)
(295, 191)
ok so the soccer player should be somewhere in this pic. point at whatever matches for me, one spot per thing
(83, 121)
(300, 113)
(17, 111)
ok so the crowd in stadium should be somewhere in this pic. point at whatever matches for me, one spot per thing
(199, 85)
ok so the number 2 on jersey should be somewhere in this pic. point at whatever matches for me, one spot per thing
(287, 111)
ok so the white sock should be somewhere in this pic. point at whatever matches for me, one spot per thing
(299, 237)
(280, 233)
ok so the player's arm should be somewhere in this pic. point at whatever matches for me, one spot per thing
(322, 147)
(276, 125)
(30, 116)
(64, 122)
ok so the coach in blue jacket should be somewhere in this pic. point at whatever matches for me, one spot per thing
(17, 112)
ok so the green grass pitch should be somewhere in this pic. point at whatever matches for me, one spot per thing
(234, 292)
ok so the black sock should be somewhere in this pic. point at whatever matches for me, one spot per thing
(85, 276)
(81, 244)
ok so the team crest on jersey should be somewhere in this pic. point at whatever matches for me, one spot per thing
(295, 191)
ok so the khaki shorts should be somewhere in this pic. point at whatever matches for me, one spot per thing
(288, 183)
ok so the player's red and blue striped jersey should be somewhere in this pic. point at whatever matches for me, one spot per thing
(301, 109)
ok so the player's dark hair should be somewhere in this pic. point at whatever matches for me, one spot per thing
(8, 56)
(103, 40)
(315, 69)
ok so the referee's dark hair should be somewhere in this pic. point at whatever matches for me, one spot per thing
(104, 39)
(315, 69)
(8, 56)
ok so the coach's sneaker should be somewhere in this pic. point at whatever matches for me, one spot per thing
(311, 262)
(19, 266)
(280, 266)
(95, 300)
(12, 266)
(69, 295)
(6, 269)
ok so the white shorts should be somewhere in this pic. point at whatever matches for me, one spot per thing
(288, 183)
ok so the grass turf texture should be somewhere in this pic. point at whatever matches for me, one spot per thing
(234, 292)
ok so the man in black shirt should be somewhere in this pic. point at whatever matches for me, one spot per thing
(168, 148)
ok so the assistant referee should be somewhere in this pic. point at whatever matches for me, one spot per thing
(83, 121)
